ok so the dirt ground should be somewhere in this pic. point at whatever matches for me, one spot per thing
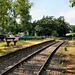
(70, 57)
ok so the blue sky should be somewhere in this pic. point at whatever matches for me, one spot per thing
(54, 8)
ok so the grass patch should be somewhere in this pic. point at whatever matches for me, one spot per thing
(20, 44)
(74, 43)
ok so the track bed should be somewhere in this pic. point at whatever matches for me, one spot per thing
(34, 63)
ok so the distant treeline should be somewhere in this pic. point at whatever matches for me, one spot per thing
(15, 18)
(51, 26)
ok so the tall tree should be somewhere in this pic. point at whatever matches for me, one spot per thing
(5, 6)
(23, 11)
(62, 26)
(13, 16)
(49, 25)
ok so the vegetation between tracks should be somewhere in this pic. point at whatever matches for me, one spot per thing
(70, 56)
(67, 61)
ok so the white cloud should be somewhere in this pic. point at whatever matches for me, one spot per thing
(37, 14)
(69, 16)
(35, 11)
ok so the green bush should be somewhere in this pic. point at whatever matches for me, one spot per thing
(33, 38)
(63, 71)
(60, 54)
(73, 34)
(65, 48)
(54, 33)
(21, 33)
(62, 64)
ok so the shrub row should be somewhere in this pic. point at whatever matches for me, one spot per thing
(33, 38)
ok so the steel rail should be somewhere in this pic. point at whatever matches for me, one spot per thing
(24, 59)
(39, 73)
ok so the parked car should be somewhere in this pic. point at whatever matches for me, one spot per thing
(3, 36)
(24, 36)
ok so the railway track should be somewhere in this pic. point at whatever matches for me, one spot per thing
(34, 63)
(7, 60)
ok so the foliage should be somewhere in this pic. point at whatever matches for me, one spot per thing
(65, 48)
(60, 73)
(20, 33)
(63, 71)
(5, 6)
(74, 43)
(72, 3)
(12, 10)
(54, 33)
(33, 38)
(73, 28)
(62, 26)
(51, 26)
(60, 54)
(73, 34)
(23, 7)
(62, 64)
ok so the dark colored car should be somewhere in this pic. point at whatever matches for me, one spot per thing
(3, 36)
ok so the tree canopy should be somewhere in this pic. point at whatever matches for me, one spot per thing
(72, 3)
(73, 28)
(10, 11)
(23, 11)
(5, 6)
(47, 25)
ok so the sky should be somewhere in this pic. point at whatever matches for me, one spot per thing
(54, 8)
